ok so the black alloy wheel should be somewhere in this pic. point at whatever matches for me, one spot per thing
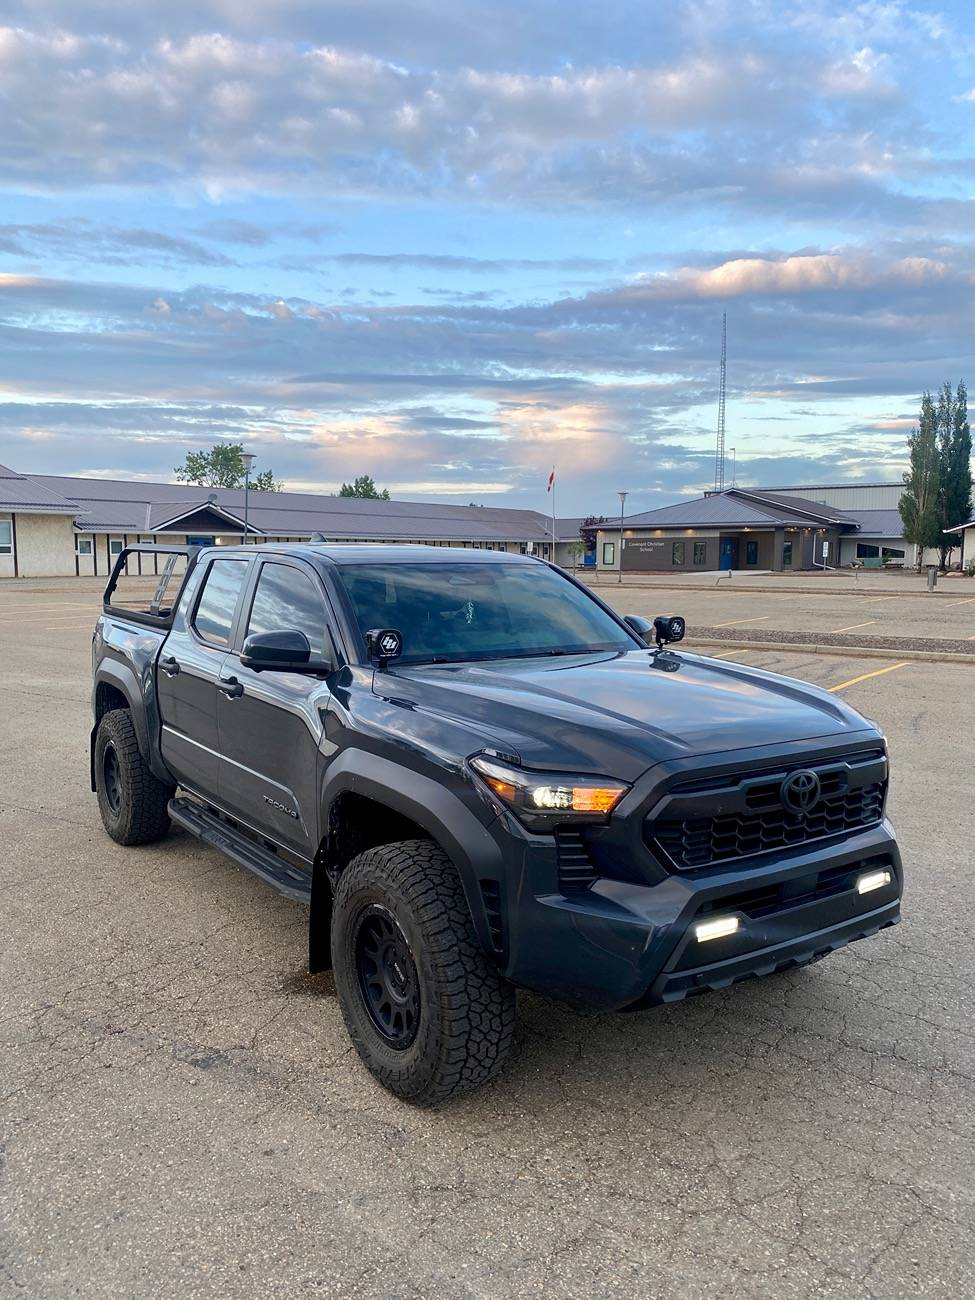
(112, 778)
(388, 977)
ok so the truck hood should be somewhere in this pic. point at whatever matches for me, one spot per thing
(618, 714)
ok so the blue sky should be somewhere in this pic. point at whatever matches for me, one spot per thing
(451, 247)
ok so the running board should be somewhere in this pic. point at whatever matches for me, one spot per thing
(273, 870)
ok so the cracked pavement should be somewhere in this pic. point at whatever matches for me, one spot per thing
(181, 1112)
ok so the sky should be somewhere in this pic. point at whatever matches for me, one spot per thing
(453, 246)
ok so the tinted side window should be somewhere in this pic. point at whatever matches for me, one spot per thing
(286, 598)
(215, 611)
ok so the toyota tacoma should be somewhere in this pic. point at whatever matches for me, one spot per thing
(479, 777)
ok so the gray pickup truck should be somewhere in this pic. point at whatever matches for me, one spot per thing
(479, 777)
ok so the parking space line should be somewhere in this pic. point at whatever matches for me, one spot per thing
(877, 672)
(726, 654)
(850, 626)
(735, 622)
(969, 600)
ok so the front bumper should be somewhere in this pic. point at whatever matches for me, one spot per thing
(623, 944)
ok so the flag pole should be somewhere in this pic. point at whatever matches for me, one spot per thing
(553, 514)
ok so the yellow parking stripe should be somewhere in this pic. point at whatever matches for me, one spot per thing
(850, 626)
(726, 654)
(735, 622)
(877, 672)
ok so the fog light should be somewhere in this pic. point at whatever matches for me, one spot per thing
(719, 928)
(873, 880)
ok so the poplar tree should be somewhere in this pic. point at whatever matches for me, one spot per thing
(955, 456)
(922, 483)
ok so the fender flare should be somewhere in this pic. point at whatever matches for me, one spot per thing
(466, 841)
(141, 700)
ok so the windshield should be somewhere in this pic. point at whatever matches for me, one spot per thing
(452, 612)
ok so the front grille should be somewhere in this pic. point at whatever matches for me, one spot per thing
(719, 820)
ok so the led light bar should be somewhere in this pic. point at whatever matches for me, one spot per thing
(871, 880)
(718, 928)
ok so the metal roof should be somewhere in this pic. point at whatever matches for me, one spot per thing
(740, 508)
(131, 506)
(18, 492)
(712, 510)
(878, 523)
(799, 505)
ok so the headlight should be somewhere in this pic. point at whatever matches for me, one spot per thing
(542, 798)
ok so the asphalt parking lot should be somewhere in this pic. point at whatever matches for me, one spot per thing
(182, 1113)
(948, 614)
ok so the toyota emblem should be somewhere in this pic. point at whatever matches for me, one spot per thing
(800, 791)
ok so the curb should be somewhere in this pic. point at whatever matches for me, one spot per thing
(797, 591)
(867, 652)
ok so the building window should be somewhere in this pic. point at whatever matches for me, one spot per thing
(677, 553)
(700, 552)
(6, 537)
(751, 552)
(82, 546)
(787, 555)
(115, 547)
(609, 552)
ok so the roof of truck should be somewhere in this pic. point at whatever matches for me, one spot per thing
(381, 553)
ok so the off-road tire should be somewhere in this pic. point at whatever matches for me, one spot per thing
(466, 1008)
(133, 802)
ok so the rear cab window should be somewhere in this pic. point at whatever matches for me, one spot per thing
(213, 621)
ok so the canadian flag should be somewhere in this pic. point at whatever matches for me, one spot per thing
(551, 480)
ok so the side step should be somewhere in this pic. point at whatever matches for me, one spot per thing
(274, 871)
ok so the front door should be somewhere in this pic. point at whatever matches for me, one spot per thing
(187, 676)
(270, 732)
(729, 553)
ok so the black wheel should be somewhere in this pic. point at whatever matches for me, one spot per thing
(428, 1012)
(132, 801)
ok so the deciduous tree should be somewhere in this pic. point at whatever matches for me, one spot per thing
(919, 504)
(955, 463)
(364, 486)
(222, 466)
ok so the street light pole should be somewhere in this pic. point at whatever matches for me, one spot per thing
(622, 496)
(248, 459)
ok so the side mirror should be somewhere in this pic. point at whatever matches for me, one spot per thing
(384, 644)
(667, 628)
(287, 651)
(641, 626)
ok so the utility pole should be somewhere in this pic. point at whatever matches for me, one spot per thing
(622, 496)
(719, 450)
(248, 458)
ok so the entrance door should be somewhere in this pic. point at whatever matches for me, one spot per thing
(187, 676)
(729, 553)
(271, 726)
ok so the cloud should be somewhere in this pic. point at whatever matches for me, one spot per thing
(787, 276)
(85, 241)
(226, 113)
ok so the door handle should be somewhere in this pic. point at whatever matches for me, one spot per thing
(169, 665)
(231, 687)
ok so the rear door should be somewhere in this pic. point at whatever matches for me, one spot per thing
(271, 725)
(188, 673)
